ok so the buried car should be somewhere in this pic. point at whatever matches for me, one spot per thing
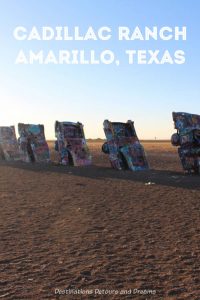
(123, 146)
(71, 144)
(9, 149)
(188, 140)
(32, 143)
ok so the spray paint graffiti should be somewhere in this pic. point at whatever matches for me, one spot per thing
(123, 146)
(9, 149)
(188, 140)
(71, 144)
(32, 142)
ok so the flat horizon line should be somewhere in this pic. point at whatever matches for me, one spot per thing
(102, 140)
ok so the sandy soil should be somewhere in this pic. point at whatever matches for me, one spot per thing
(93, 228)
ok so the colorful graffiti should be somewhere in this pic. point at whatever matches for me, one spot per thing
(32, 142)
(71, 144)
(123, 146)
(188, 140)
(9, 149)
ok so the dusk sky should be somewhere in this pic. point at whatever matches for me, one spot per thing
(146, 94)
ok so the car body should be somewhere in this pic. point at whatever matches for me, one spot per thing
(71, 144)
(32, 143)
(123, 146)
(9, 149)
(188, 140)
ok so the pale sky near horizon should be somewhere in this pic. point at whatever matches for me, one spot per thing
(146, 94)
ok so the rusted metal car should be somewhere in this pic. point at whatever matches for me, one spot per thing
(9, 149)
(71, 144)
(187, 139)
(32, 143)
(123, 146)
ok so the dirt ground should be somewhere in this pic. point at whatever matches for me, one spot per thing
(94, 232)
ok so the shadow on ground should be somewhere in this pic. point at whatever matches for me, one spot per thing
(153, 176)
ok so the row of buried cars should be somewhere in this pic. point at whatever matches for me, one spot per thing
(122, 144)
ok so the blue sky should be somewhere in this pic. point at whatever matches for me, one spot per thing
(146, 94)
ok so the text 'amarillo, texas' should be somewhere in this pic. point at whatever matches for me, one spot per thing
(77, 52)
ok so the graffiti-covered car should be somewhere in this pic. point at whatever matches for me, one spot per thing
(123, 146)
(71, 144)
(187, 139)
(32, 143)
(9, 149)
